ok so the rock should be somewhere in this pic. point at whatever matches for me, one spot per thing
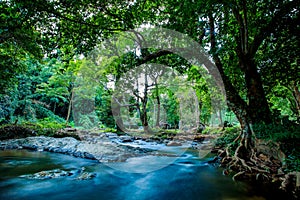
(173, 143)
(70, 129)
(199, 138)
(93, 147)
(126, 138)
(166, 141)
(56, 173)
(111, 135)
(15, 131)
(86, 176)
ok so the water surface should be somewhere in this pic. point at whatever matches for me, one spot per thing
(187, 177)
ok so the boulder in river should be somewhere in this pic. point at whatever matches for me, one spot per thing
(126, 138)
(174, 143)
(56, 173)
(86, 176)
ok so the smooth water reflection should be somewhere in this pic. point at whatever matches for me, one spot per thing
(187, 178)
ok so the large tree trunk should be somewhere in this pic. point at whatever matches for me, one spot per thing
(234, 100)
(255, 110)
(70, 107)
(144, 117)
(116, 110)
(258, 109)
(296, 96)
(158, 105)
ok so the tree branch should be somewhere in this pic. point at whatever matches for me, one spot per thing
(275, 22)
(153, 56)
(234, 100)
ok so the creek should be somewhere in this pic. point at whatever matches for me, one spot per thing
(187, 177)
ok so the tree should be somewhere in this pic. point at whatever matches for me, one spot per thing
(235, 31)
(23, 101)
(17, 42)
(59, 87)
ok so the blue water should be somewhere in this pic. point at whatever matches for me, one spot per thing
(186, 178)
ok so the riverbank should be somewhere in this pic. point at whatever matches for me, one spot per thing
(99, 147)
(271, 164)
(95, 145)
(110, 147)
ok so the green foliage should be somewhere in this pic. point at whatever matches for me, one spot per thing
(87, 121)
(293, 161)
(284, 101)
(47, 126)
(210, 99)
(211, 130)
(171, 106)
(18, 41)
(228, 136)
(276, 132)
(103, 107)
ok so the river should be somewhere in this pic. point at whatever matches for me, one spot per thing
(186, 177)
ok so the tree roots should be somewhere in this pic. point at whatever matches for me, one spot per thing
(262, 161)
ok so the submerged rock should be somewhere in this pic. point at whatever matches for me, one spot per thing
(78, 174)
(56, 173)
(86, 176)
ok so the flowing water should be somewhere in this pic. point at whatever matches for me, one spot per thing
(186, 178)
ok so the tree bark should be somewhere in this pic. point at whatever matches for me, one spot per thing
(70, 107)
(116, 110)
(158, 104)
(234, 100)
(258, 108)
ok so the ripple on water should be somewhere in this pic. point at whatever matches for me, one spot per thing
(148, 177)
(18, 162)
(143, 164)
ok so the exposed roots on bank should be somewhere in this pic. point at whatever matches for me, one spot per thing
(258, 160)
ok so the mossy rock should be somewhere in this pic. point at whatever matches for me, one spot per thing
(15, 132)
(23, 131)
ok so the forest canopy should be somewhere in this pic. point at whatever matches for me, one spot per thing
(132, 67)
(254, 46)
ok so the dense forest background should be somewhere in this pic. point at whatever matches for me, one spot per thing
(45, 45)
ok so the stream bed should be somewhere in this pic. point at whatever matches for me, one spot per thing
(188, 177)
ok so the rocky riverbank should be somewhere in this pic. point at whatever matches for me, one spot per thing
(101, 147)
(104, 147)
(265, 168)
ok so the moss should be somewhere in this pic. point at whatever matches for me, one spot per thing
(212, 130)
(228, 136)
(15, 132)
(39, 128)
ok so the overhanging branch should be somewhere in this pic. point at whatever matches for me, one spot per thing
(275, 23)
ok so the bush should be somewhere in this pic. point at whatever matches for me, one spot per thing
(276, 132)
(287, 135)
(212, 130)
(46, 127)
(228, 136)
(26, 129)
(110, 130)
